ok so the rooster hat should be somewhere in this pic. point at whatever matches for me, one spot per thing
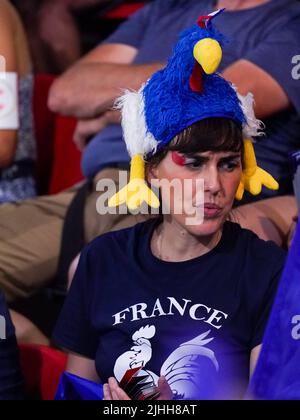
(187, 90)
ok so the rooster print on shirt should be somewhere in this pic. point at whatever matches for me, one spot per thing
(182, 368)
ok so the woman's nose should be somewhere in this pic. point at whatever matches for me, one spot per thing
(212, 182)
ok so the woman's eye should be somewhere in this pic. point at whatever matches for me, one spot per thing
(229, 166)
(193, 163)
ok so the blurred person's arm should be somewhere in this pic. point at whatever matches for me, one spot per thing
(58, 31)
(266, 69)
(89, 88)
(270, 97)
(88, 127)
(8, 138)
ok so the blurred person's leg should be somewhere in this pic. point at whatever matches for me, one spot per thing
(31, 231)
(96, 224)
(30, 234)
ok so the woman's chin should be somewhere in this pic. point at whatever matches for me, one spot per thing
(209, 226)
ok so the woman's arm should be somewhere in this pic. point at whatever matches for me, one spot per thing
(82, 366)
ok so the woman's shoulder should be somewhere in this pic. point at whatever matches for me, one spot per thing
(260, 265)
(249, 242)
(121, 238)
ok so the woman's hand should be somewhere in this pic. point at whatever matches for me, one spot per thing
(165, 392)
(112, 391)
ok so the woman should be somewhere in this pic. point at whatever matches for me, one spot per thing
(184, 300)
(11, 382)
(17, 147)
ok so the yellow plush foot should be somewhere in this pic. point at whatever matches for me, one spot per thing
(253, 177)
(136, 191)
(134, 194)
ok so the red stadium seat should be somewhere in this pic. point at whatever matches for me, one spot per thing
(58, 160)
(66, 165)
(42, 367)
(44, 121)
(124, 11)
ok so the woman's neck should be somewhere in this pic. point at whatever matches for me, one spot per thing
(170, 242)
(239, 4)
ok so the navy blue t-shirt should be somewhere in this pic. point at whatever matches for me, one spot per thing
(11, 383)
(267, 35)
(195, 322)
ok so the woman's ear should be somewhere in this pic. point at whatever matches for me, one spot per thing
(151, 173)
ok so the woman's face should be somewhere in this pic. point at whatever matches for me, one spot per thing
(213, 181)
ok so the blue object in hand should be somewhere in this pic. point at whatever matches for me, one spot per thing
(75, 388)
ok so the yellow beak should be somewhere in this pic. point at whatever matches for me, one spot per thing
(208, 53)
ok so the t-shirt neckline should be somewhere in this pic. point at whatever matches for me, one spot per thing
(152, 259)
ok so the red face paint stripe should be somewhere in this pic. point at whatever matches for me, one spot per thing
(178, 159)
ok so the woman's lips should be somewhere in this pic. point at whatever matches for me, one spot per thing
(211, 210)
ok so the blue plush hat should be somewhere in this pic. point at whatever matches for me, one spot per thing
(187, 90)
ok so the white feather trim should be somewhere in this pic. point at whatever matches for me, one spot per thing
(253, 127)
(136, 135)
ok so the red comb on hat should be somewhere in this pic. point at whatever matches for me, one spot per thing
(205, 19)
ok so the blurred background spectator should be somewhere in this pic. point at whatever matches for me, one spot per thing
(17, 147)
(60, 31)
